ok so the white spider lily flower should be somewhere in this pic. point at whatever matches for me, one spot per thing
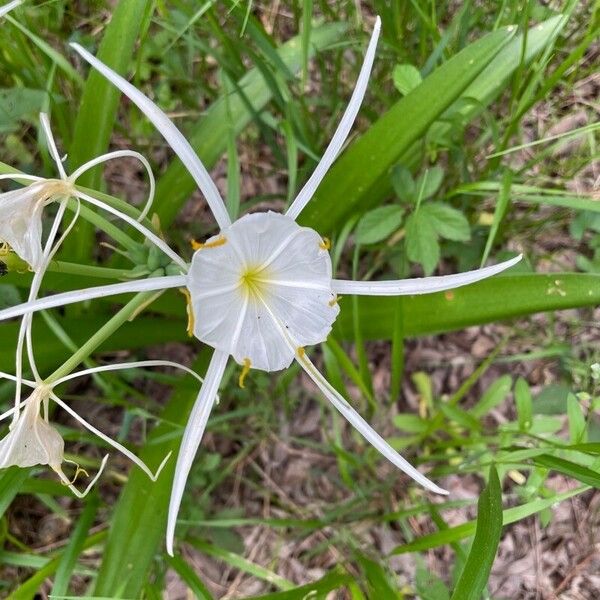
(262, 288)
(32, 440)
(21, 210)
(8, 7)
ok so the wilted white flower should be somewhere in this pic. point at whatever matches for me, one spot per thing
(262, 289)
(32, 440)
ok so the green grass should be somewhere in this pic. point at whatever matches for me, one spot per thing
(259, 94)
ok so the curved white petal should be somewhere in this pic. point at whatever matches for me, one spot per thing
(192, 436)
(130, 455)
(421, 285)
(142, 285)
(116, 155)
(8, 7)
(174, 137)
(263, 259)
(342, 406)
(52, 149)
(342, 131)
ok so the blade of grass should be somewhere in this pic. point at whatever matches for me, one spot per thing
(474, 576)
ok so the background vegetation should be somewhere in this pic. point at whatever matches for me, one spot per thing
(477, 140)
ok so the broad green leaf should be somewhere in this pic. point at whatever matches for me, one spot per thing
(474, 576)
(98, 110)
(362, 172)
(209, 135)
(421, 241)
(447, 222)
(524, 404)
(378, 224)
(495, 299)
(334, 202)
(406, 78)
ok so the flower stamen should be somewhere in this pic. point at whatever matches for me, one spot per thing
(325, 244)
(190, 311)
(335, 300)
(245, 370)
(220, 241)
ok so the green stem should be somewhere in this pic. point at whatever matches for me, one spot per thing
(128, 311)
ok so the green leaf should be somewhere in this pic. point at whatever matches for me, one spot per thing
(378, 224)
(421, 241)
(571, 469)
(577, 424)
(77, 540)
(494, 299)
(319, 590)
(524, 404)
(194, 583)
(429, 182)
(493, 396)
(406, 78)
(140, 515)
(509, 515)
(474, 576)
(209, 135)
(447, 222)
(404, 184)
(361, 173)
(18, 103)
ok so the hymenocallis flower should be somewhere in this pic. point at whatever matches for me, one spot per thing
(262, 288)
(32, 440)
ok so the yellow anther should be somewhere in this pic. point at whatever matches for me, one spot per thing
(189, 310)
(335, 300)
(244, 373)
(300, 352)
(214, 244)
(325, 244)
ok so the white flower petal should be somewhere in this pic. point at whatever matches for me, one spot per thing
(342, 131)
(8, 7)
(421, 285)
(363, 427)
(174, 137)
(192, 436)
(21, 222)
(116, 155)
(52, 149)
(141, 285)
(31, 440)
(130, 455)
(263, 259)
